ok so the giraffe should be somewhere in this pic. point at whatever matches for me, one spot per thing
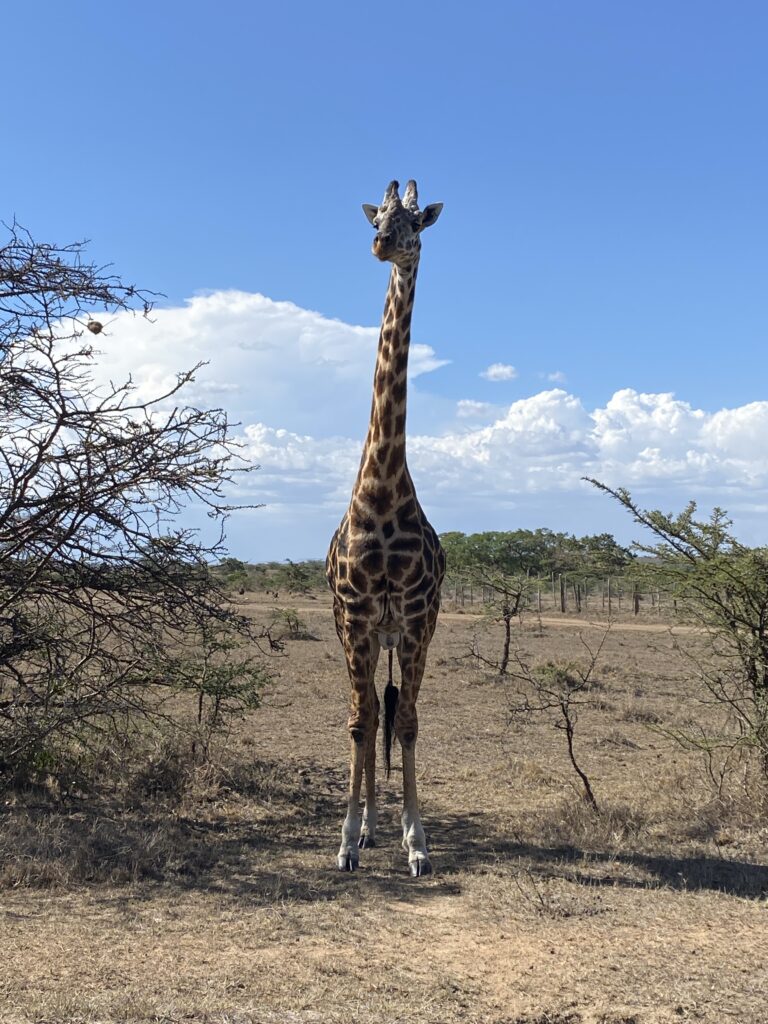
(385, 564)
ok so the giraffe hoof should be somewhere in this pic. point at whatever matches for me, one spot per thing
(420, 867)
(346, 862)
(366, 842)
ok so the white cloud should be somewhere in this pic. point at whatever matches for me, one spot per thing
(536, 454)
(468, 409)
(556, 377)
(311, 469)
(271, 361)
(301, 385)
(631, 419)
(548, 441)
(736, 432)
(499, 371)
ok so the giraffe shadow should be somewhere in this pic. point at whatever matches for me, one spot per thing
(282, 844)
(470, 843)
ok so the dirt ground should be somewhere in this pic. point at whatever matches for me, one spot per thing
(225, 906)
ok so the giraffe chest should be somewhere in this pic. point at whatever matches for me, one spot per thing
(385, 574)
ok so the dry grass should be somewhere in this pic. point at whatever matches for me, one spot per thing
(209, 895)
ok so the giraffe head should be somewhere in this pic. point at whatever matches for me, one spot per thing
(399, 223)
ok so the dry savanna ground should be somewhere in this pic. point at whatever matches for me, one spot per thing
(210, 894)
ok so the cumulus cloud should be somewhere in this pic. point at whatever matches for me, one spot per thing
(556, 377)
(536, 454)
(315, 470)
(549, 441)
(468, 409)
(499, 371)
(267, 360)
(300, 384)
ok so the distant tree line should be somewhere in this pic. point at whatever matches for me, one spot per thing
(519, 552)
(535, 553)
(528, 553)
(273, 577)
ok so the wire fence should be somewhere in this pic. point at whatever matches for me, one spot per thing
(560, 594)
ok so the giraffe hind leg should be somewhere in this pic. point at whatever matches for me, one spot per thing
(362, 653)
(414, 838)
(370, 816)
(347, 858)
(407, 728)
(391, 694)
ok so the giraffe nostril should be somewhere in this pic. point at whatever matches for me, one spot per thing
(383, 239)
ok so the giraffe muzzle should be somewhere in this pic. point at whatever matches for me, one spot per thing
(382, 245)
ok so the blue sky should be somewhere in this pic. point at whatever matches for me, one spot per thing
(603, 169)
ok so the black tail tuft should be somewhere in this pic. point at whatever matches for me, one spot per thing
(391, 693)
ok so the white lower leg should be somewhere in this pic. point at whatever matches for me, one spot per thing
(347, 859)
(370, 820)
(370, 817)
(414, 840)
(350, 832)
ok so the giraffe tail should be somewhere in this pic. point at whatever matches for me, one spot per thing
(391, 694)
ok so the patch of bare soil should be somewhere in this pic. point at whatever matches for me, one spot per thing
(215, 898)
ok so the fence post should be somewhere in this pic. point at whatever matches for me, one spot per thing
(609, 597)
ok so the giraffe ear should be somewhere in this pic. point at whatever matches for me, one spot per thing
(429, 215)
(371, 212)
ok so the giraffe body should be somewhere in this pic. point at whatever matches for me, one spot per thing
(385, 564)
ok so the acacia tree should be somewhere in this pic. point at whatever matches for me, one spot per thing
(507, 595)
(558, 690)
(721, 585)
(101, 595)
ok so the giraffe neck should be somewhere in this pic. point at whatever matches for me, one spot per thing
(383, 460)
